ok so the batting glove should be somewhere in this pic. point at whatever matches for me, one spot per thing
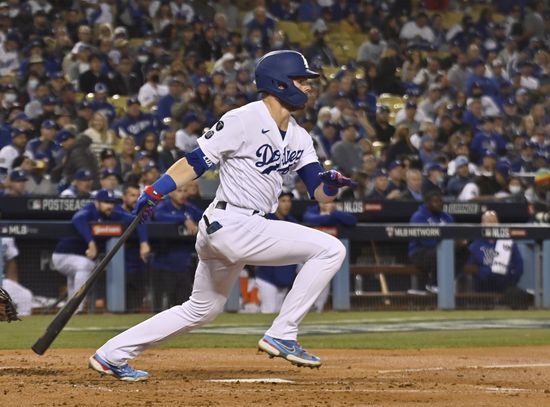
(336, 180)
(149, 198)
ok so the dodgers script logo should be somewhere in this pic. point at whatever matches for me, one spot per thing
(274, 160)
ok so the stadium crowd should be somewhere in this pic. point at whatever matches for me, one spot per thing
(101, 93)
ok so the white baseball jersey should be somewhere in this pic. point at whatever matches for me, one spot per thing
(249, 147)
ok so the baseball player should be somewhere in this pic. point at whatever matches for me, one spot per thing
(74, 256)
(254, 145)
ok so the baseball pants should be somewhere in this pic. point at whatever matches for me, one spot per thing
(271, 296)
(76, 268)
(243, 238)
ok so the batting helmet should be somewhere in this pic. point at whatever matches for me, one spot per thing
(274, 73)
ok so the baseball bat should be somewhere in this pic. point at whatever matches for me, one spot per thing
(65, 313)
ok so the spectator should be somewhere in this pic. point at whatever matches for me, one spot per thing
(500, 265)
(186, 137)
(326, 214)
(380, 189)
(169, 153)
(165, 103)
(84, 115)
(100, 104)
(274, 282)
(81, 187)
(400, 145)
(15, 184)
(414, 186)
(90, 78)
(174, 260)
(150, 146)
(10, 152)
(81, 156)
(427, 149)
(319, 50)
(125, 82)
(423, 252)
(410, 119)
(432, 104)
(111, 180)
(434, 179)
(371, 50)
(66, 141)
(346, 154)
(45, 142)
(396, 176)
(136, 123)
(459, 73)
(39, 182)
(486, 139)
(22, 297)
(98, 131)
(74, 256)
(151, 91)
(417, 30)
(462, 176)
(383, 129)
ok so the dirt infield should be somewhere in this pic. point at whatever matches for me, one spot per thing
(181, 377)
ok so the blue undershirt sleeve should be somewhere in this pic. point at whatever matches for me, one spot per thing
(309, 173)
(198, 160)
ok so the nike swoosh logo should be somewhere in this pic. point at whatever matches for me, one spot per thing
(264, 131)
(289, 350)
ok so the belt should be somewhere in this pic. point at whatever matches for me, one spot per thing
(245, 211)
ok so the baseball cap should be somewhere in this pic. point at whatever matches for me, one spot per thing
(48, 100)
(48, 124)
(18, 176)
(140, 155)
(63, 135)
(489, 153)
(521, 91)
(425, 138)
(528, 144)
(107, 172)
(511, 101)
(461, 160)
(22, 116)
(56, 75)
(17, 132)
(476, 62)
(413, 91)
(410, 105)
(85, 104)
(133, 101)
(107, 153)
(106, 195)
(394, 164)
(100, 87)
(435, 167)
(381, 173)
(83, 175)
(188, 118)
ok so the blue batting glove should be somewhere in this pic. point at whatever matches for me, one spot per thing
(150, 198)
(336, 180)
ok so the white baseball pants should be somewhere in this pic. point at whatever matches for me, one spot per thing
(76, 268)
(243, 239)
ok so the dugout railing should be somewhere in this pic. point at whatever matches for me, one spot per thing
(535, 248)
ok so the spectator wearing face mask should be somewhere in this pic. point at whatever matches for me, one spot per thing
(151, 91)
(434, 179)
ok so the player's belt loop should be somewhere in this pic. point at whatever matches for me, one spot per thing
(206, 221)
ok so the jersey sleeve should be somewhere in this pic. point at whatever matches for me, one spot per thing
(224, 138)
(309, 156)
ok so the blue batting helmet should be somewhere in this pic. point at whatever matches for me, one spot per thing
(274, 73)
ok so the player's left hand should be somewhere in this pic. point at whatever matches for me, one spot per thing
(334, 179)
(144, 251)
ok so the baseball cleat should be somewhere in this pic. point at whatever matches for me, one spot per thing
(289, 350)
(124, 372)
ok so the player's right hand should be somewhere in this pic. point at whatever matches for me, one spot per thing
(149, 198)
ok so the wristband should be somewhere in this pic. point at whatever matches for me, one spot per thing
(329, 190)
(164, 185)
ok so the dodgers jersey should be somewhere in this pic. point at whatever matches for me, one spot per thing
(253, 156)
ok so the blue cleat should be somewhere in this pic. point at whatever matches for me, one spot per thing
(124, 372)
(289, 350)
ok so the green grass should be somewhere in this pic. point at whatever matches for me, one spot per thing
(21, 335)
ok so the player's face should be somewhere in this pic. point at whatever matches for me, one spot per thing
(285, 203)
(302, 84)
(179, 196)
(130, 197)
(106, 208)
